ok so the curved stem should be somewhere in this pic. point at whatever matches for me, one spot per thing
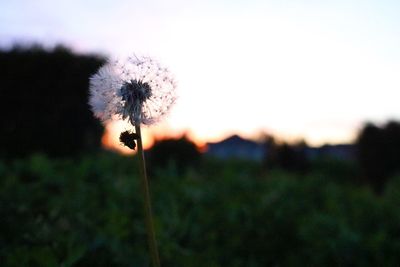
(147, 204)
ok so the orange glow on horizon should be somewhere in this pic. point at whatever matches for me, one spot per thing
(150, 135)
(110, 139)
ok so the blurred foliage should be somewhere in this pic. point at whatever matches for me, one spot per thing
(176, 153)
(338, 170)
(292, 158)
(87, 211)
(378, 153)
(44, 108)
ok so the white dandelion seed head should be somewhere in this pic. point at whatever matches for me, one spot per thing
(138, 90)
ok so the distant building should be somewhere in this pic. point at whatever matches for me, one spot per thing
(237, 148)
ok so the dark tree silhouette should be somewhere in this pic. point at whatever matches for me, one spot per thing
(44, 102)
(284, 156)
(392, 140)
(181, 153)
(378, 153)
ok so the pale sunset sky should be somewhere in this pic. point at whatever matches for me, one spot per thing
(316, 70)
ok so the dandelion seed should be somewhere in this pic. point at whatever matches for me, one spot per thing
(138, 90)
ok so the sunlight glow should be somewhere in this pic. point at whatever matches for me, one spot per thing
(112, 131)
(150, 135)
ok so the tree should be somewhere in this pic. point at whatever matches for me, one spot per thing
(181, 153)
(44, 102)
(288, 157)
(378, 153)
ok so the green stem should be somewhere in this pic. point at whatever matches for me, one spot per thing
(147, 205)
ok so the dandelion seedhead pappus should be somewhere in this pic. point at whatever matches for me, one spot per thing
(137, 89)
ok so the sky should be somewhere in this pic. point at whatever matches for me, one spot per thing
(313, 70)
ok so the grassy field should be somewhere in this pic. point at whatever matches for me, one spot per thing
(88, 212)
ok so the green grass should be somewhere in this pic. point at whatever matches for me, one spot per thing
(88, 212)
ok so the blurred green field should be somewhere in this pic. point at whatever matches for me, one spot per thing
(88, 212)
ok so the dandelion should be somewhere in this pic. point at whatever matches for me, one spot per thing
(138, 90)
